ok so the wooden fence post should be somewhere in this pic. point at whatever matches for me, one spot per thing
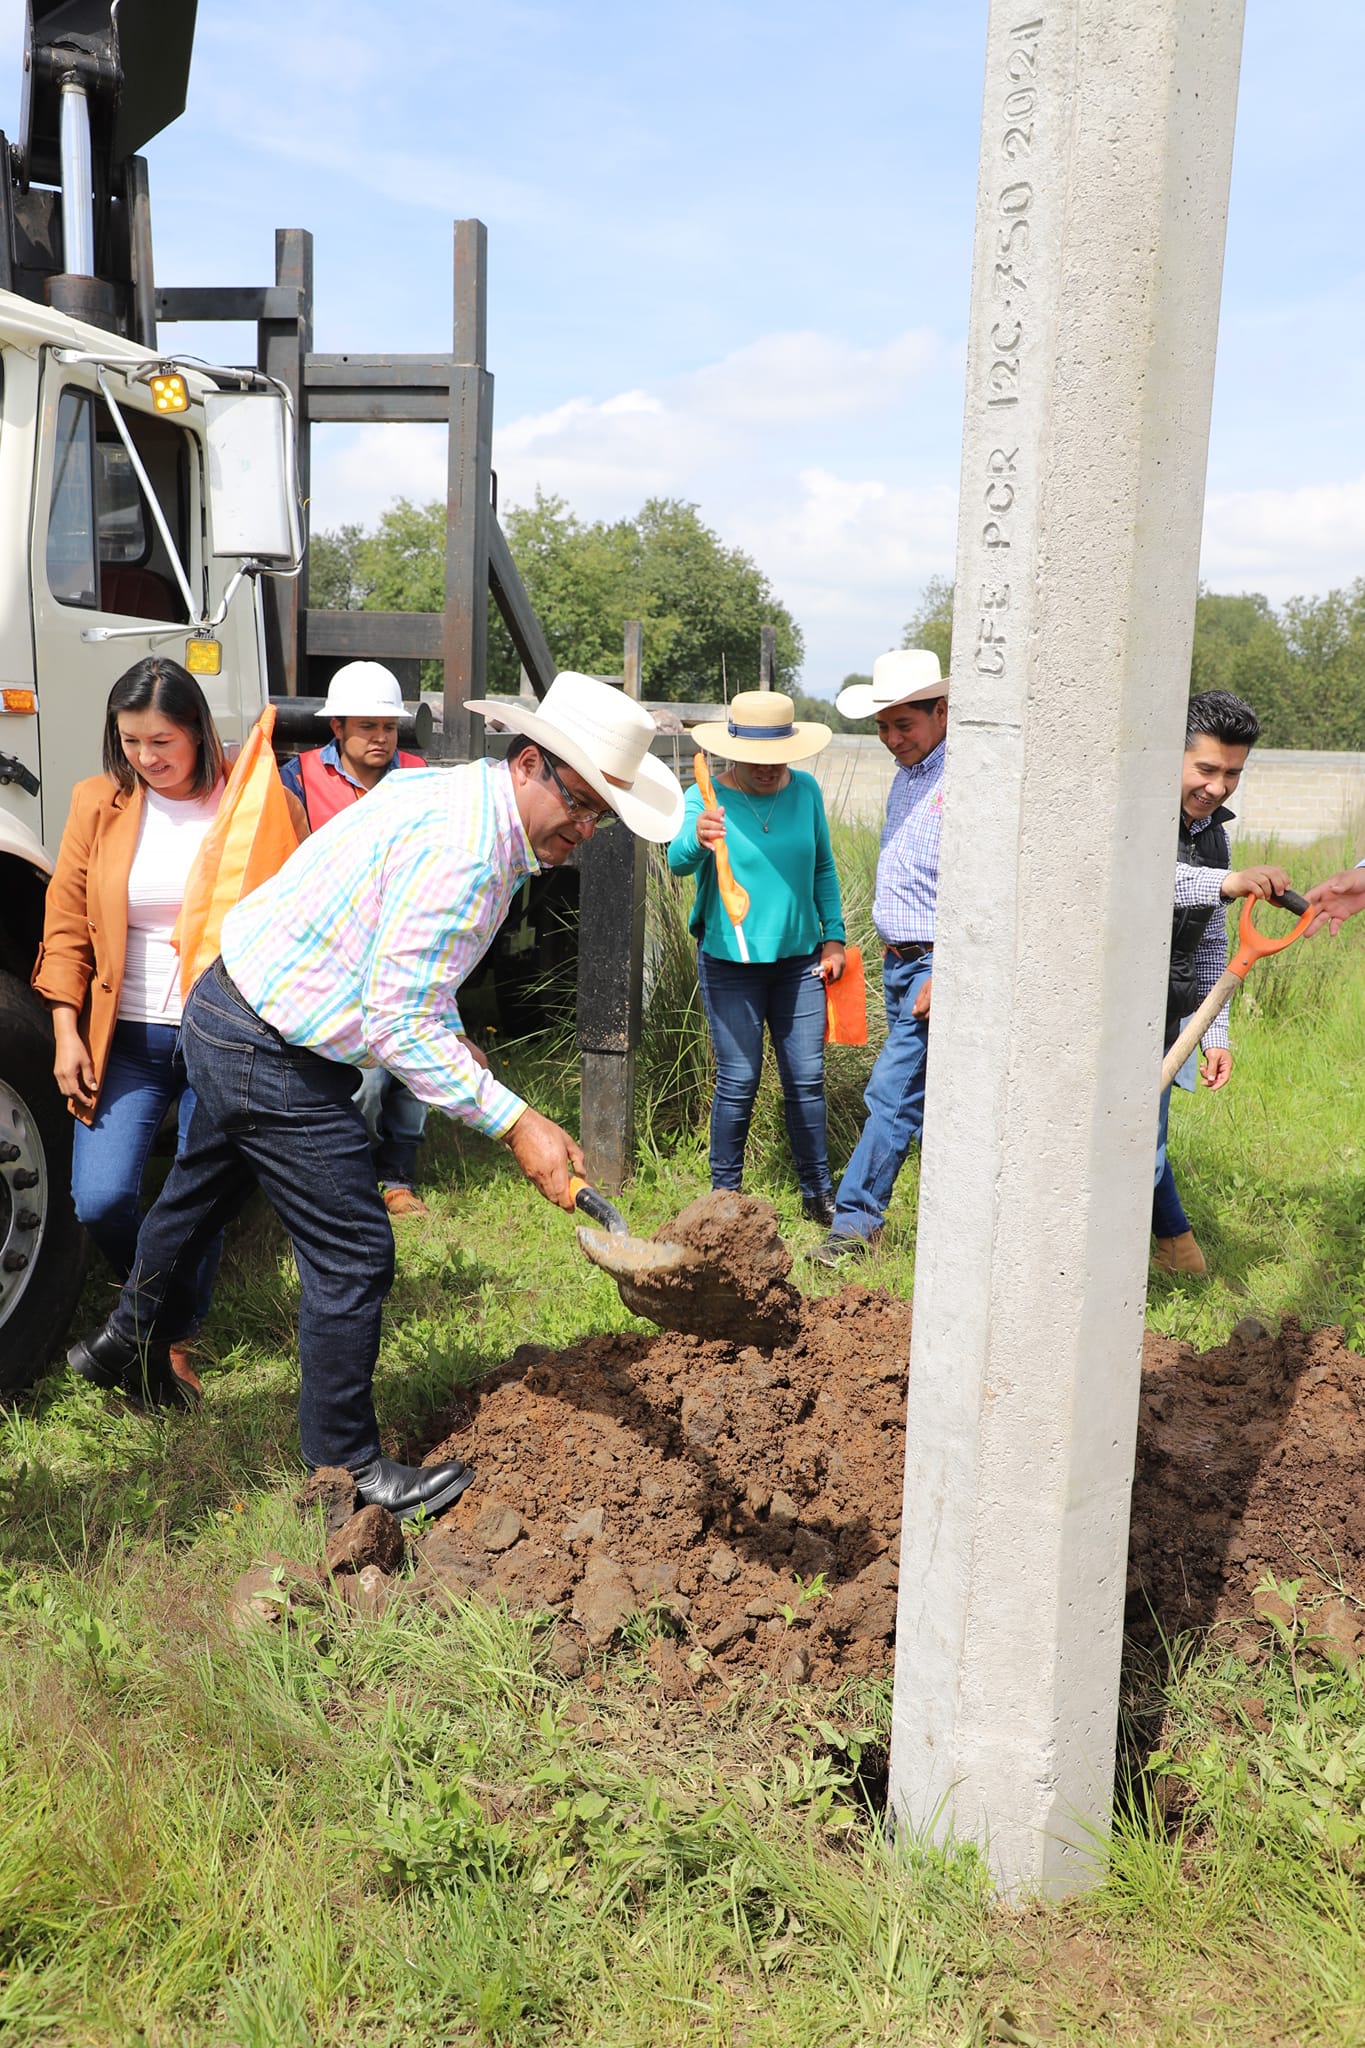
(282, 350)
(469, 506)
(611, 954)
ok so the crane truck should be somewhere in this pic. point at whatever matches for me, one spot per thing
(145, 499)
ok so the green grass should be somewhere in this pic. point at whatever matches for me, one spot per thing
(414, 1832)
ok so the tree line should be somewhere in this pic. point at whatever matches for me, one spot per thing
(1301, 668)
(703, 604)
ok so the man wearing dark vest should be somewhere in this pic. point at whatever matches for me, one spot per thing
(1220, 732)
(364, 704)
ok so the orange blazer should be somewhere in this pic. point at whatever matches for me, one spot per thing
(85, 925)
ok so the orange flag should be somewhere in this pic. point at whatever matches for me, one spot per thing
(250, 840)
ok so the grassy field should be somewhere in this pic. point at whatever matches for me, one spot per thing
(412, 1831)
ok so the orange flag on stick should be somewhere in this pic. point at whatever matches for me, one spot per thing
(250, 840)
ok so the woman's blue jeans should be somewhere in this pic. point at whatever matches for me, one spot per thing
(143, 1077)
(739, 1000)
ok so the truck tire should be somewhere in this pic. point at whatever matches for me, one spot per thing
(43, 1249)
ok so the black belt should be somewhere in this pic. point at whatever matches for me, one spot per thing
(915, 949)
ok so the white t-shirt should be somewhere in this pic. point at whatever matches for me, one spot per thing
(169, 837)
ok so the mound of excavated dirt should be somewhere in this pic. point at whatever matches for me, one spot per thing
(704, 1476)
(754, 1497)
(1251, 1459)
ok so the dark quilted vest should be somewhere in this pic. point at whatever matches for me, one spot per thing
(1206, 849)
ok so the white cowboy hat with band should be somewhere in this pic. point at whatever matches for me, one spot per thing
(759, 726)
(907, 675)
(604, 736)
(363, 689)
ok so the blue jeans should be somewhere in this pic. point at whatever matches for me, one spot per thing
(895, 1103)
(1168, 1211)
(143, 1077)
(276, 1113)
(395, 1120)
(739, 1000)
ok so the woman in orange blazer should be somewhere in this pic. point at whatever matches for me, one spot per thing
(106, 966)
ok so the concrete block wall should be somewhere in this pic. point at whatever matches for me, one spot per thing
(1285, 794)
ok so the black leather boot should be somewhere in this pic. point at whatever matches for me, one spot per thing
(141, 1372)
(405, 1490)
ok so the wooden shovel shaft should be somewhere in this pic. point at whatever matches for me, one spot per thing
(1198, 1025)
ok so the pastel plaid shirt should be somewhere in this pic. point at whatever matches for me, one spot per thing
(907, 866)
(358, 946)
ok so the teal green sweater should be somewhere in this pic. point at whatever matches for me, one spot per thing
(788, 871)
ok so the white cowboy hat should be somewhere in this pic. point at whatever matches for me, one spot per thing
(908, 675)
(363, 689)
(759, 726)
(604, 736)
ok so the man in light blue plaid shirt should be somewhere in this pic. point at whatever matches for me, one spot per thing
(909, 700)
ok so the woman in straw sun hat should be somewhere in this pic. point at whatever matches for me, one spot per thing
(771, 820)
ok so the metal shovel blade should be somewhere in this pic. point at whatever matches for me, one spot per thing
(635, 1258)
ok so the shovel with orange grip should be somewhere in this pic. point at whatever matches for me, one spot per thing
(1251, 947)
(735, 899)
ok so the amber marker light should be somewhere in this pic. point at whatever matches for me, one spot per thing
(19, 700)
(169, 395)
(204, 657)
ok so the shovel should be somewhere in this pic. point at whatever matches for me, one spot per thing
(1251, 947)
(612, 1247)
(732, 894)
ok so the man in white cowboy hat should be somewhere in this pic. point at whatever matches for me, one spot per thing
(354, 954)
(364, 705)
(908, 698)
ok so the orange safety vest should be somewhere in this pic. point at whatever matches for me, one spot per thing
(326, 790)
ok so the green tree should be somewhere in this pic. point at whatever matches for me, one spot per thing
(702, 604)
(932, 624)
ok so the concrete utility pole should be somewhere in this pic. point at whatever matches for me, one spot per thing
(1105, 156)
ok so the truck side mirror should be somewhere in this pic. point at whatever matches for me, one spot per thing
(252, 479)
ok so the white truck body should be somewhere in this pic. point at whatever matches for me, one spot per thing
(87, 588)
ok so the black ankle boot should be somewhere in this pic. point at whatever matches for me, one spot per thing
(819, 1208)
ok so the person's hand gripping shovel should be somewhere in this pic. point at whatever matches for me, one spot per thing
(1251, 947)
(735, 899)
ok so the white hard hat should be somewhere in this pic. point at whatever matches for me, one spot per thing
(363, 689)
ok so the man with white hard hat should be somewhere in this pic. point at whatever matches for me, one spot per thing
(354, 954)
(364, 705)
(908, 698)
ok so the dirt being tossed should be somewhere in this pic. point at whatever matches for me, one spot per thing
(734, 1286)
(746, 1502)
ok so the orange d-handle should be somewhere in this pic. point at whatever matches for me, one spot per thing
(735, 899)
(1251, 947)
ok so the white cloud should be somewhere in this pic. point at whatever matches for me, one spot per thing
(1285, 543)
(846, 548)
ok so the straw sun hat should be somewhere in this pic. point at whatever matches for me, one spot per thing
(605, 736)
(759, 727)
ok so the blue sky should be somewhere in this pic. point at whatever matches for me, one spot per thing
(729, 261)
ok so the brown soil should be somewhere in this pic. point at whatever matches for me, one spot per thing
(736, 1285)
(1251, 1460)
(707, 1485)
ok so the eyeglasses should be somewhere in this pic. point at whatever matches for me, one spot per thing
(578, 807)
